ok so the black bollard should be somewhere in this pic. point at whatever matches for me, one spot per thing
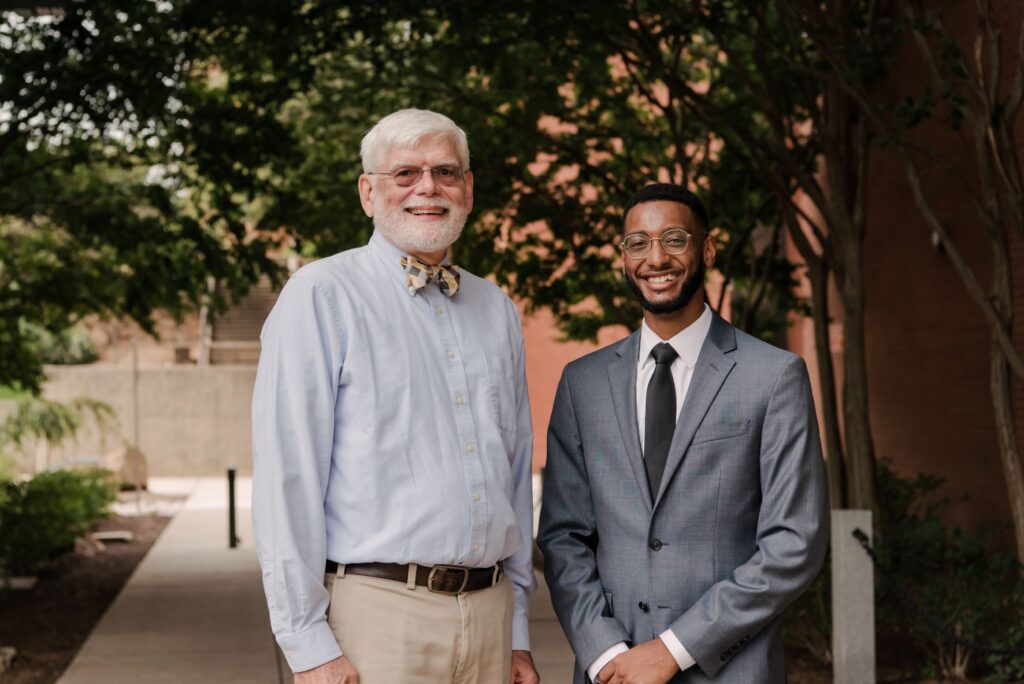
(232, 539)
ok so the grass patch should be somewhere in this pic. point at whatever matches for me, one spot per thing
(13, 393)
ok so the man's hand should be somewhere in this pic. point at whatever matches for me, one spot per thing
(523, 669)
(337, 671)
(649, 663)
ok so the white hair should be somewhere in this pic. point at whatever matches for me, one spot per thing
(406, 129)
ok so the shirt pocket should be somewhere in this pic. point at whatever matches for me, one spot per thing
(501, 392)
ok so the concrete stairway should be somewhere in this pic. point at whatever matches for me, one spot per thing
(236, 333)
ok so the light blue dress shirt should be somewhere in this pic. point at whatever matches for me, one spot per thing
(387, 427)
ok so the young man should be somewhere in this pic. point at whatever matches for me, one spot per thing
(685, 503)
(392, 441)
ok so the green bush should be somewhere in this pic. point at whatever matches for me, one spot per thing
(41, 517)
(1009, 667)
(938, 591)
(942, 590)
(71, 346)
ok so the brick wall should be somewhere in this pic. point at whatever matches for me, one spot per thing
(927, 342)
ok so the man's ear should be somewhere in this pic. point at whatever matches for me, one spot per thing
(469, 191)
(366, 193)
(710, 249)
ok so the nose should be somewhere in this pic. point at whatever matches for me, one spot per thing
(426, 185)
(658, 255)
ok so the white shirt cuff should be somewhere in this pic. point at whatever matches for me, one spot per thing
(605, 658)
(683, 658)
(310, 648)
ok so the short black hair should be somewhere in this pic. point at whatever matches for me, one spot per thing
(668, 192)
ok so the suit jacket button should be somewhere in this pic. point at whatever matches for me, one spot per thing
(654, 545)
(644, 607)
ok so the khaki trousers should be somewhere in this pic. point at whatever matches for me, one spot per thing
(394, 634)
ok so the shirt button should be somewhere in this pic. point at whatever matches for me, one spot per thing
(440, 311)
(654, 545)
(451, 355)
(460, 400)
(644, 607)
(476, 547)
(470, 448)
(476, 497)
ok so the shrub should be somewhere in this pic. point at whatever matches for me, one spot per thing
(51, 422)
(71, 346)
(1009, 667)
(42, 517)
(941, 590)
(938, 592)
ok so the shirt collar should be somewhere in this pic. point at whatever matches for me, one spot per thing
(389, 253)
(687, 342)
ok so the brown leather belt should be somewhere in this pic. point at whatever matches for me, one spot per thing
(442, 579)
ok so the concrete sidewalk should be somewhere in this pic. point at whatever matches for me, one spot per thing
(194, 610)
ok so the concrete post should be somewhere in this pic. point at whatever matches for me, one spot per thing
(853, 600)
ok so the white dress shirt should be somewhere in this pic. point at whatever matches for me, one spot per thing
(687, 344)
(390, 427)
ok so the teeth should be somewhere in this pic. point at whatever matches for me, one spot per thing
(422, 212)
(661, 279)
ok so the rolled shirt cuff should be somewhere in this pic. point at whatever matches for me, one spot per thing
(605, 658)
(310, 648)
(678, 651)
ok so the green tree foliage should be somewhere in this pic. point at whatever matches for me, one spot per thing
(126, 168)
(560, 139)
(572, 107)
(139, 141)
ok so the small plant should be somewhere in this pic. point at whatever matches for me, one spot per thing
(41, 517)
(940, 593)
(943, 592)
(1008, 666)
(52, 422)
(71, 346)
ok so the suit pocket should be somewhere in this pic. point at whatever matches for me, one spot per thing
(609, 610)
(720, 430)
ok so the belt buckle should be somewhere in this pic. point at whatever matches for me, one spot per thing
(447, 568)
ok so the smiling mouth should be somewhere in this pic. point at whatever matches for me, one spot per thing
(427, 211)
(659, 279)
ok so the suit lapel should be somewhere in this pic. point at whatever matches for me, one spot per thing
(713, 366)
(622, 377)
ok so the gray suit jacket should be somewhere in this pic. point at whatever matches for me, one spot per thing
(737, 532)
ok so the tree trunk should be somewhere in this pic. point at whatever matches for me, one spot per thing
(1002, 404)
(818, 275)
(1000, 376)
(860, 452)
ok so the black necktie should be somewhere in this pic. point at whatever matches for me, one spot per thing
(660, 415)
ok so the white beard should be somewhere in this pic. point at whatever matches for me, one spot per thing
(411, 235)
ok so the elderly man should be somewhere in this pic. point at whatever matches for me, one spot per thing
(392, 441)
(685, 503)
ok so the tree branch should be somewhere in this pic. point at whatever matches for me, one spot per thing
(974, 288)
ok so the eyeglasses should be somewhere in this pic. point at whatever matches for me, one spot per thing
(638, 245)
(408, 176)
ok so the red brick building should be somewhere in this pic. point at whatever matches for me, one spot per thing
(928, 345)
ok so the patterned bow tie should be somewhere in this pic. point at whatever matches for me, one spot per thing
(418, 274)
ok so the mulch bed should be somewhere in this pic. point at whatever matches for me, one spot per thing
(48, 624)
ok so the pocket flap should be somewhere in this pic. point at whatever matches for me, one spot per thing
(720, 430)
